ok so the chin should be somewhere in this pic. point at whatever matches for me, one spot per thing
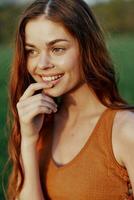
(52, 93)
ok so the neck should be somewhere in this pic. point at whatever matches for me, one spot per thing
(80, 102)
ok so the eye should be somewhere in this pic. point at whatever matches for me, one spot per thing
(31, 52)
(58, 51)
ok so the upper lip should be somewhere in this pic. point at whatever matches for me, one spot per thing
(48, 75)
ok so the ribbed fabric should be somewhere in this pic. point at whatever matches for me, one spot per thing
(94, 174)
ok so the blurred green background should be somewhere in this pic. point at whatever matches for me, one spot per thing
(116, 18)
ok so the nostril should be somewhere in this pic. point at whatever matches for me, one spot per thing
(46, 66)
(52, 65)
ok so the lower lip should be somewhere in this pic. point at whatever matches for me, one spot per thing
(54, 82)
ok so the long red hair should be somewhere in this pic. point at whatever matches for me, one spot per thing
(97, 67)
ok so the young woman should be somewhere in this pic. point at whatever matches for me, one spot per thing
(72, 136)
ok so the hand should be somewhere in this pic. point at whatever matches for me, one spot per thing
(31, 109)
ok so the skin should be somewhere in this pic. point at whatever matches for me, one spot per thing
(67, 62)
(63, 57)
(123, 142)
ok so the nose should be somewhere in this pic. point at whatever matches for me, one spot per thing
(44, 61)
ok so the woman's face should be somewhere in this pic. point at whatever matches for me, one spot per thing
(52, 56)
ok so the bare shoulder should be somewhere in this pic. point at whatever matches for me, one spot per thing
(123, 137)
(124, 126)
(123, 141)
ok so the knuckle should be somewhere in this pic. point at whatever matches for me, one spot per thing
(40, 102)
(42, 109)
(48, 98)
(40, 96)
(31, 87)
(25, 120)
(20, 99)
(45, 97)
(18, 105)
(47, 104)
(47, 110)
(38, 108)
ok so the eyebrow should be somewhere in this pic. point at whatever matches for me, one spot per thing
(49, 43)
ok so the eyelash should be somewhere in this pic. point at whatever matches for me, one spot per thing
(28, 51)
(58, 50)
(54, 50)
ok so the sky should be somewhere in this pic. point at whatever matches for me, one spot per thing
(95, 1)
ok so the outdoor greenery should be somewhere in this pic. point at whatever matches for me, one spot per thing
(116, 18)
(5, 58)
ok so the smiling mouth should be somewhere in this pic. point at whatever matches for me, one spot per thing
(54, 79)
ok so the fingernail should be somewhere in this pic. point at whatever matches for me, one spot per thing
(50, 84)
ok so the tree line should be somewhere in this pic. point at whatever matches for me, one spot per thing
(116, 16)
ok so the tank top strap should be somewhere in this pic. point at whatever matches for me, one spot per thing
(107, 119)
(104, 125)
(106, 129)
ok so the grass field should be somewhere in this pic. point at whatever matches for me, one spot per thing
(5, 59)
(122, 52)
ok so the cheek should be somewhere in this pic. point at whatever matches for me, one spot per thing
(73, 73)
(31, 67)
(70, 62)
(74, 67)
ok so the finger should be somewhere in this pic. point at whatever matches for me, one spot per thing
(28, 117)
(42, 103)
(40, 110)
(33, 88)
(27, 109)
(36, 98)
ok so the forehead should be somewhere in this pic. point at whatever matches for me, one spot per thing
(42, 30)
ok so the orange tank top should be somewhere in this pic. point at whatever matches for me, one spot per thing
(94, 174)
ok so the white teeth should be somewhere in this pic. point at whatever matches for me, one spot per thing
(51, 78)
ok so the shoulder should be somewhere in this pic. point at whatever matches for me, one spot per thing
(123, 141)
(123, 135)
(124, 125)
